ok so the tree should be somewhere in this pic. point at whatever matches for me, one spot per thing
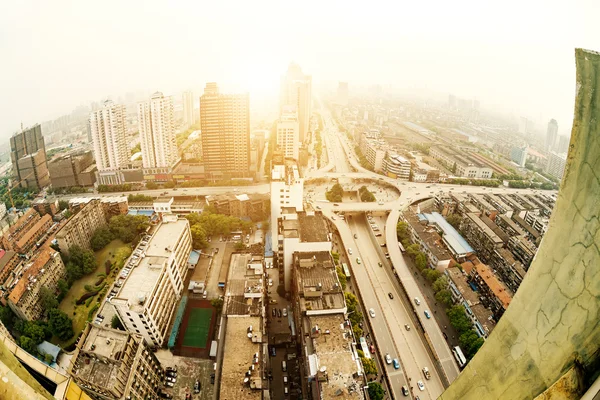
(127, 227)
(101, 237)
(63, 205)
(376, 391)
(336, 257)
(458, 318)
(240, 246)
(413, 250)
(444, 296)
(431, 274)
(402, 230)
(366, 195)
(35, 331)
(470, 342)
(7, 316)
(198, 236)
(441, 283)
(60, 324)
(67, 214)
(132, 198)
(454, 220)
(28, 345)
(420, 261)
(369, 365)
(169, 184)
(341, 277)
(151, 185)
(115, 323)
(217, 303)
(47, 299)
(335, 194)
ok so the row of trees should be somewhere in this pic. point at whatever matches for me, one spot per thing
(366, 195)
(335, 194)
(136, 198)
(532, 185)
(123, 227)
(126, 187)
(354, 314)
(318, 147)
(211, 223)
(68, 190)
(469, 341)
(474, 182)
(362, 160)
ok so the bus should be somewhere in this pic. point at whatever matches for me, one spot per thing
(459, 356)
(401, 247)
(364, 347)
(346, 270)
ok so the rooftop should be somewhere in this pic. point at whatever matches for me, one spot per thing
(335, 357)
(245, 285)
(428, 235)
(30, 272)
(489, 232)
(317, 282)
(34, 230)
(313, 227)
(5, 257)
(238, 360)
(495, 285)
(457, 244)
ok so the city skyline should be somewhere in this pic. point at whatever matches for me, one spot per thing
(478, 62)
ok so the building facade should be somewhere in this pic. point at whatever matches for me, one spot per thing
(225, 125)
(73, 170)
(108, 130)
(79, 229)
(287, 190)
(551, 135)
(519, 155)
(188, 108)
(398, 167)
(296, 90)
(556, 164)
(288, 133)
(26, 231)
(28, 157)
(157, 133)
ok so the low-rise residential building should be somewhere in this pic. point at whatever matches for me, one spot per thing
(300, 232)
(537, 221)
(461, 163)
(110, 364)
(245, 288)
(111, 206)
(483, 205)
(374, 151)
(45, 269)
(9, 260)
(478, 231)
(287, 191)
(463, 294)
(44, 206)
(243, 364)
(508, 226)
(493, 293)
(253, 206)
(147, 300)
(332, 365)
(510, 270)
(79, 229)
(523, 250)
(556, 164)
(429, 239)
(26, 231)
(397, 167)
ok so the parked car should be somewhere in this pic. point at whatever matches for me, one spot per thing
(197, 386)
(169, 384)
(355, 236)
(284, 312)
(407, 327)
(279, 312)
(358, 260)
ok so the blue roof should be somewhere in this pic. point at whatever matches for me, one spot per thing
(194, 257)
(147, 213)
(268, 245)
(49, 348)
(453, 239)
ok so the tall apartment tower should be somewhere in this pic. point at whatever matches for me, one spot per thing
(551, 135)
(157, 132)
(28, 156)
(188, 108)
(296, 90)
(225, 125)
(288, 132)
(107, 128)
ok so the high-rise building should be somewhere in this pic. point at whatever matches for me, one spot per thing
(288, 131)
(107, 127)
(519, 155)
(563, 144)
(157, 132)
(551, 135)
(342, 93)
(225, 125)
(28, 156)
(188, 108)
(296, 90)
(525, 125)
(556, 164)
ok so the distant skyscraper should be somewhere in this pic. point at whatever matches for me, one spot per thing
(563, 143)
(107, 128)
(188, 108)
(342, 93)
(28, 156)
(551, 135)
(288, 130)
(157, 132)
(296, 90)
(225, 125)
(525, 125)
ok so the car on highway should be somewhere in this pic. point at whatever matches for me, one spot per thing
(390, 295)
(318, 207)
(405, 390)
(358, 260)
(407, 327)
(284, 312)
(380, 202)
(273, 313)
(279, 313)
(396, 364)
(380, 264)
(417, 301)
(336, 204)
(426, 373)
(420, 385)
(387, 255)
(372, 313)
(355, 236)
(349, 251)
(378, 235)
(388, 358)
(427, 314)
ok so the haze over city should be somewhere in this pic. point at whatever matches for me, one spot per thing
(516, 57)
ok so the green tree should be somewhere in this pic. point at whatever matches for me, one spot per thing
(198, 236)
(358, 332)
(67, 214)
(151, 185)
(60, 324)
(7, 316)
(441, 283)
(376, 391)
(115, 323)
(454, 220)
(35, 331)
(127, 227)
(336, 257)
(335, 194)
(47, 299)
(169, 185)
(458, 318)
(470, 342)
(28, 345)
(133, 198)
(369, 365)
(420, 261)
(444, 296)
(413, 250)
(217, 303)
(431, 274)
(402, 230)
(136, 149)
(366, 195)
(101, 237)
(63, 205)
(48, 358)
(341, 277)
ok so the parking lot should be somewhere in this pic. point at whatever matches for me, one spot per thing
(188, 371)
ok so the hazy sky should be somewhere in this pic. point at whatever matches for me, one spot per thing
(514, 55)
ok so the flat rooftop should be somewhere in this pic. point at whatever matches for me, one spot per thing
(239, 358)
(496, 286)
(335, 354)
(313, 227)
(317, 281)
(451, 237)
(481, 225)
(244, 286)
(428, 235)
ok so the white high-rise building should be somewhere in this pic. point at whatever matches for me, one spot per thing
(556, 164)
(188, 108)
(157, 132)
(287, 191)
(551, 135)
(107, 128)
(288, 132)
(296, 90)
